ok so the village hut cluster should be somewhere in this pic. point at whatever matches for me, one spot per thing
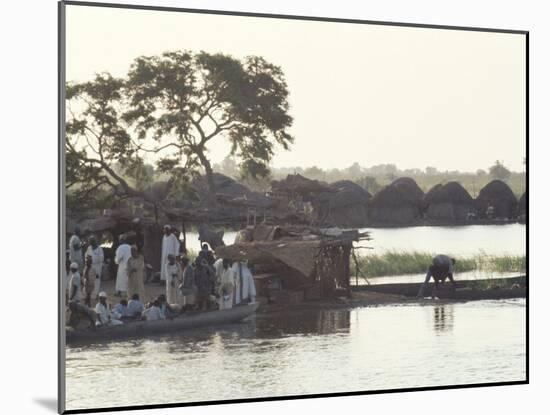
(295, 239)
(402, 202)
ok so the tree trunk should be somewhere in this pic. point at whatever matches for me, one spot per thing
(209, 176)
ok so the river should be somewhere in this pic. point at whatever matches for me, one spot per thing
(370, 348)
(506, 239)
(363, 349)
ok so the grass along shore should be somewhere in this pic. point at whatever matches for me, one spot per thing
(401, 263)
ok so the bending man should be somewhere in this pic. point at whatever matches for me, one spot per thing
(442, 267)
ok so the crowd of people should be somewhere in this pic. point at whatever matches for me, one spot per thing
(204, 283)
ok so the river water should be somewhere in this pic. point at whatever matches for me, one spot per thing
(456, 240)
(362, 349)
(295, 353)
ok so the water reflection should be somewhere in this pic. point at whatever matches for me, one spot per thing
(308, 322)
(291, 353)
(443, 317)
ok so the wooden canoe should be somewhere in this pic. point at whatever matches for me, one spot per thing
(487, 289)
(147, 328)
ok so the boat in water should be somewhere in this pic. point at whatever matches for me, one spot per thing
(141, 328)
(466, 290)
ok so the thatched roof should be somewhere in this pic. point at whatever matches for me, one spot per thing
(296, 183)
(497, 190)
(346, 192)
(296, 247)
(401, 192)
(100, 224)
(229, 191)
(299, 255)
(430, 193)
(522, 203)
(498, 195)
(452, 192)
(224, 185)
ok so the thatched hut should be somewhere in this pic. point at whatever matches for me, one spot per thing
(496, 200)
(448, 202)
(229, 191)
(346, 205)
(304, 259)
(233, 203)
(522, 204)
(397, 203)
(297, 195)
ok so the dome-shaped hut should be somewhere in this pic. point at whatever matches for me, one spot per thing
(397, 203)
(346, 205)
(496, 200)
(522, 204)
(448, 202)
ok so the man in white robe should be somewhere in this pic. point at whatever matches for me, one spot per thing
(96, 252)
(153, 312)
(244, 283)
(173, 278)
(225, 283)
(75, 249)
(170, 246)
(122, 255)
(104, 315)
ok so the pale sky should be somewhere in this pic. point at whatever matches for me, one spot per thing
(370, 94)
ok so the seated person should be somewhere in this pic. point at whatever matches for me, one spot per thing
(135, 306)
(153, 312)
(122, 309)
(81, 316)
(105, 316)
(165, 310)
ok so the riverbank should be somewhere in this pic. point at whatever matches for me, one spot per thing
(415, 262)
(405, 294)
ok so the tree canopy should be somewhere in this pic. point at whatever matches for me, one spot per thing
(498, 171)
(187, 100)
(174, 105)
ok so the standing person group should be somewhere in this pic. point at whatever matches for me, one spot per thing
(202, 284)
(206, 282)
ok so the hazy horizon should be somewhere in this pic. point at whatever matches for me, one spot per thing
(413, 97)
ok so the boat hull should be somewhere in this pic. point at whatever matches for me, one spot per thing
(168, 326)
(465, 290)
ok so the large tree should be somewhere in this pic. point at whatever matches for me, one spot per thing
(104, 159)
(184, 101)
(98, 146)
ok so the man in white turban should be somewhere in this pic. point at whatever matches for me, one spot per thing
(104, 314)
